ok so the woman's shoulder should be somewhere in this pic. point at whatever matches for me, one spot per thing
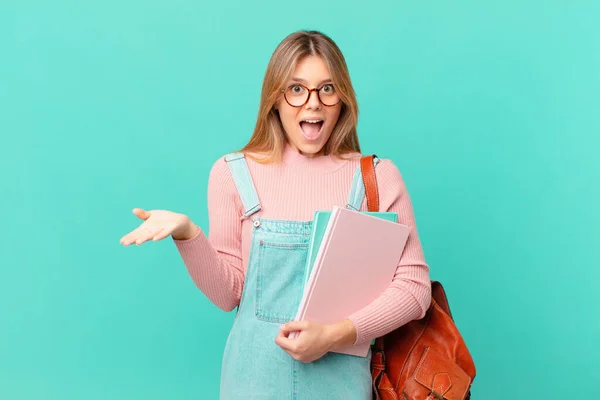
(221, 169)
(387, 173)
(386, 167)
(390, 179)
(224, 160)
(220, 174)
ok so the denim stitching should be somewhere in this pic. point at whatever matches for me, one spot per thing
(260, 313)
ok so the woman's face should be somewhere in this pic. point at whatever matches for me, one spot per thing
(308, 127)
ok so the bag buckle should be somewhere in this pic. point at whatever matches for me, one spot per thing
(435, 395)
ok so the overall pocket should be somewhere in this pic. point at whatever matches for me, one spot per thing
(280, 280)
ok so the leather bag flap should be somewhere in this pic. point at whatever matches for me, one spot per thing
(442, 376)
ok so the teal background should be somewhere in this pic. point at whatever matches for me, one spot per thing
(490, 110)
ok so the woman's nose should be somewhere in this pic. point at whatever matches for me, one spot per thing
(313, 100)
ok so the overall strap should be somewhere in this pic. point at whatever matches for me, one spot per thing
(357, 191)
(243, 181)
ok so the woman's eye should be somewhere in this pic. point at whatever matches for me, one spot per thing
(327, 89)
(297, 89)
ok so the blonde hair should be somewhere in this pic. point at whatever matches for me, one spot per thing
(268, 138)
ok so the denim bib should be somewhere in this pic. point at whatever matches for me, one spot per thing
(253, 365)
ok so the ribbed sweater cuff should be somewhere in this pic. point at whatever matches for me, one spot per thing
(384, 315)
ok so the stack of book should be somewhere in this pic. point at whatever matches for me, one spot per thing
(352, 259)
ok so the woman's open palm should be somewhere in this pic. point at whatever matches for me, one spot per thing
(157, 225)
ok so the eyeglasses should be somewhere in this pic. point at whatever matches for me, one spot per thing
(297, 95)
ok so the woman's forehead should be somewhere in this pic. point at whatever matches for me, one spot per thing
(311, 69)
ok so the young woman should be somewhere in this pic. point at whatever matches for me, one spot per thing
(302, 157)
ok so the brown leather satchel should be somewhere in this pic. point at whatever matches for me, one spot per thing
(426, 358)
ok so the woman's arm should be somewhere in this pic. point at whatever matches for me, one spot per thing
(215, 262)
(409, 295)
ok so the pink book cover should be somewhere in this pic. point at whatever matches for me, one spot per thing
(355, 264)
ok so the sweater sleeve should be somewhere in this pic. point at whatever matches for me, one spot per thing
(214, 262)
(409, 295)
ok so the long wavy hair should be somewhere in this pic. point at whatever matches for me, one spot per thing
(268, 138)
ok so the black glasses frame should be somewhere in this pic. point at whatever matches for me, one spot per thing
(309, 94)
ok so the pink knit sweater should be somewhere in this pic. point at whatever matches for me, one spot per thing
(293, 190)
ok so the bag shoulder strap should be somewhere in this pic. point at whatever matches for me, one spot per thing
(369, 178)
(439, 296)
(372, 193)
(367, 168)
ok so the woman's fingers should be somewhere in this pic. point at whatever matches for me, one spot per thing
(284, 342)
(129, 238)
(136, 235)
(160, 233)
(163, 233)
(145, 233)
(157, 225)
(151, 233)
(141, 213)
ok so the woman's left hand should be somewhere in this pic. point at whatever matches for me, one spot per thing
(314, 339)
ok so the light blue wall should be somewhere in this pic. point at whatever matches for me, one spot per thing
(490, 110)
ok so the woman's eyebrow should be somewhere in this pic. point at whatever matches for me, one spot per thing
(303, 81)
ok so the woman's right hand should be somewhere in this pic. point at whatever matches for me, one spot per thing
(157, 225)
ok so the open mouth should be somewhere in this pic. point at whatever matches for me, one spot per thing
(311, 128)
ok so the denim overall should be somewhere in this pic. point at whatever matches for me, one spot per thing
(254, 366)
